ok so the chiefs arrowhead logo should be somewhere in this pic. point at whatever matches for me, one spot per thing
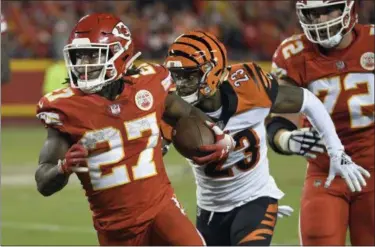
(144, 100)
(122, 31)
(367, 61)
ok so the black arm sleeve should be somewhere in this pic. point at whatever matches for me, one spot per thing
(5, 61)
(276, 124)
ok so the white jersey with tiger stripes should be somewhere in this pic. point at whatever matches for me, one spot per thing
(240, 184)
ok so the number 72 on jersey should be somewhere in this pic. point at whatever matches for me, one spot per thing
(357, 89)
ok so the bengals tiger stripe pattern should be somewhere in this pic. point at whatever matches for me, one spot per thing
(195, 49)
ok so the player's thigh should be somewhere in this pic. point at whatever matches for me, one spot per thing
(324, 212)
(362, 216)
(119, 238)
(214, 227)
(172, 227)
(255, 222)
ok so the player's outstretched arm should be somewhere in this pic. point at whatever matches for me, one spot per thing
(295, 99)
(47, 176)
(176, 108)
(291, 99)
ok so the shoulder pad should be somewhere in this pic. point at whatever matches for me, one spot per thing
(369, 29)
(252, 86)
(156, 73)
(288, 57)
(51, 107)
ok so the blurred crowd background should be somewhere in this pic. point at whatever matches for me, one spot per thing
(250, 29)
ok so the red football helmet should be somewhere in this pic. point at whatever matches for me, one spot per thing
(328, 33)
(109, 41)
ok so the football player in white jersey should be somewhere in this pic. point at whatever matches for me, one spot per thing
(237, 198)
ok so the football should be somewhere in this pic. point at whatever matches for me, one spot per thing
(189, 134)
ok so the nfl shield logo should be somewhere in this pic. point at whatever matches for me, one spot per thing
(340, 65)
(115, 109)
(317, 182)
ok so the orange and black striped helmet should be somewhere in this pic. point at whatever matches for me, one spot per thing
(197, 54)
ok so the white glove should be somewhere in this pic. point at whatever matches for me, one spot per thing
(284, 210)
(341, 164)
(305, 142)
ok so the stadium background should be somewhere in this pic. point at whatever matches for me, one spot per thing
(37, 32)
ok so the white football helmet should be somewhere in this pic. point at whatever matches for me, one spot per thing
(327, 33)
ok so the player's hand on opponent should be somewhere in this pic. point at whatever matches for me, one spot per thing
(342, 165)
(284, 210)
(305, 142)
(74, 160)
(219, 151)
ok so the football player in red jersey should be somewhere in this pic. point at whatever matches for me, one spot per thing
(334, 59)
(105, 128)
(238, 198)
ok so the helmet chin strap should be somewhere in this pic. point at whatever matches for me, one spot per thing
(132, 59)
(192, 98)
(91, 90)
(332, 42)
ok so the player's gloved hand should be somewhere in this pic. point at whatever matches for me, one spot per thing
(218, 151)
(341, 164)
(75, 157)
(305, 142)
(284, 210)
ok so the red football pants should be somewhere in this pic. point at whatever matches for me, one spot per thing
(170, 227)
(326, 214)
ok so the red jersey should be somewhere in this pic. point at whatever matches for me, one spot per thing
(343, 81)
(127, 183)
